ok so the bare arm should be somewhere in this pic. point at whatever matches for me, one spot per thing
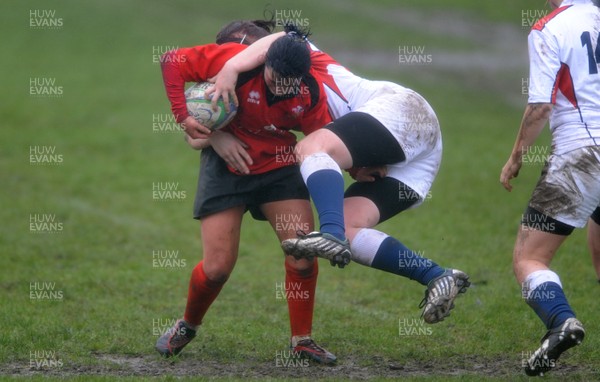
(535, 117)
(250, 58)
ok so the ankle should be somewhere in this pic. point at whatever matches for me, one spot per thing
(297, 339)
(189, 326)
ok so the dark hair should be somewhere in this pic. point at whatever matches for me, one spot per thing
(245, 31)
(289, 56)
(295, 30)
(596, 2)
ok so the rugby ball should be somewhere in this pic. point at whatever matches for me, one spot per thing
(200, 107)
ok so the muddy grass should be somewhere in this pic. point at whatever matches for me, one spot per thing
(354, 367)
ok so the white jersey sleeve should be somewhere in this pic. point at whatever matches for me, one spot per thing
(544, 67)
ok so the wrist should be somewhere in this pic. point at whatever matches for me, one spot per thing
(231, 67)
(181, 117)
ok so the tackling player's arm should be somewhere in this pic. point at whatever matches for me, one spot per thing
(534, 119)
(250, 58)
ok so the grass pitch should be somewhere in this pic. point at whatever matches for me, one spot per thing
(93, 266)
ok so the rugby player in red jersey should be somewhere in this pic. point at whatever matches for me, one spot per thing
(272, 187)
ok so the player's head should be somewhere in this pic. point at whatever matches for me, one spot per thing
(287, 62)
(245, 31)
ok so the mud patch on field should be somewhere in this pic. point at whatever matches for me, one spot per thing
(351, 367)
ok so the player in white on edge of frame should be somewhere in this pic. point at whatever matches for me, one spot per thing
(564, 88)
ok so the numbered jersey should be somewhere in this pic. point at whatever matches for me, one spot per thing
(564, 70)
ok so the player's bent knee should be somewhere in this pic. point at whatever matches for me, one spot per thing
(217, 271)
(311, 144)
(305, 147)
(299, 265)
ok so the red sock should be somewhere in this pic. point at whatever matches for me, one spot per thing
(201, 293)
(300, 288)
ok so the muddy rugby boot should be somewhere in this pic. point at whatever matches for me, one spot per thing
(307, 348)
(175, 339)
(321, 245)
(441, 293)
(554, 343)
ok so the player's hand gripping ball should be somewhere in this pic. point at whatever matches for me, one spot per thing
(200, 107)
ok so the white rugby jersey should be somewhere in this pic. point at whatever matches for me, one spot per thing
(345, 90)
(394, 106)
(564, 60)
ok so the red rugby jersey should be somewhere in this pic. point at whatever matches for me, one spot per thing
(263, 121)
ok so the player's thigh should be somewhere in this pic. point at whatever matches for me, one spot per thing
(325, 141)
(287, 217)
(220, 241)
(593, 235)
(386, 197)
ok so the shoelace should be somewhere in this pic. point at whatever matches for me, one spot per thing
(424, 300)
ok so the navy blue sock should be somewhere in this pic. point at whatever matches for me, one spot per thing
(326, 189)
(550, 304)
(392, 256)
